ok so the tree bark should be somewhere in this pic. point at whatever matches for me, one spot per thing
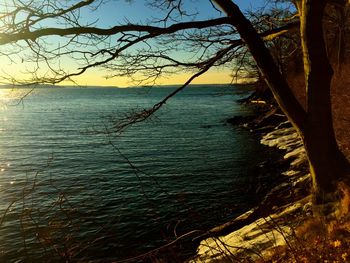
(327, 163)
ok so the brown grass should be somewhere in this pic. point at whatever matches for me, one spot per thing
(320, 239)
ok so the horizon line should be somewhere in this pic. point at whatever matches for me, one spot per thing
(111, 86)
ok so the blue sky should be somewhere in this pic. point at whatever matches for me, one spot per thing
(137, 11)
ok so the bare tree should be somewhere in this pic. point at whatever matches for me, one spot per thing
(328, 165)
(146, 51)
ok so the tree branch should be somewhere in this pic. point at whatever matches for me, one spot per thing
(6, 38)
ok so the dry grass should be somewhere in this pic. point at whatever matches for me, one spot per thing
(320, 239)
(317, 241)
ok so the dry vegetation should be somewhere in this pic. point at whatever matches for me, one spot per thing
(289, 236)
(341, 107)
(320, 239)
(340, 101)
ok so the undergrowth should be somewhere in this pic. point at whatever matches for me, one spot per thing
(321, 238)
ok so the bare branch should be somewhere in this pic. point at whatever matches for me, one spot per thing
(6, 38)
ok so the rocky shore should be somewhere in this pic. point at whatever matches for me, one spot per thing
(254, 234)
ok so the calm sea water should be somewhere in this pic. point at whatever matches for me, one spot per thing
(68, 192)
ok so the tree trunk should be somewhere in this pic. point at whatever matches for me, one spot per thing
(327, 163)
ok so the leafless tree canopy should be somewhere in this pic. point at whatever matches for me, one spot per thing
(52, 34)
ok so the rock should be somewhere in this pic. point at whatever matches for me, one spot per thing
(287, 139)
(239, 120)
(291, 173)
(253, 241)
(285, 124)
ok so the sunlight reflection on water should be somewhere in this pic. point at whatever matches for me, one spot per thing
(12, 96)
(5, 94)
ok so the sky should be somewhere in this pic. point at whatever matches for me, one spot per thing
(117, 11)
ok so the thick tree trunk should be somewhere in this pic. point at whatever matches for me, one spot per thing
(327, 164)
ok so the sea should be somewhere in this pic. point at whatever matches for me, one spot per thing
(72, 189)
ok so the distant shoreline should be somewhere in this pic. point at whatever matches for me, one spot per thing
(40, 86)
